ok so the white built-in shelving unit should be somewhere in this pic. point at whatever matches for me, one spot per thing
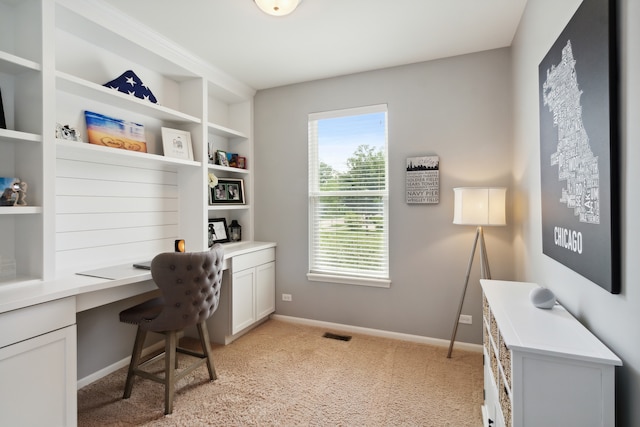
(89, 205)
(93, 207)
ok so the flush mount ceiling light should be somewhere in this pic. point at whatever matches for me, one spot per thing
(277, 7)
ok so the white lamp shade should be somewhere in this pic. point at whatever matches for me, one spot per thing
(277, 7)
(479, 206)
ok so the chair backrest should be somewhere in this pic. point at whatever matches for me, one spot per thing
(190, 284)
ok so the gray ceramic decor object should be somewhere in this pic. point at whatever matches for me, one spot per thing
(542, 298)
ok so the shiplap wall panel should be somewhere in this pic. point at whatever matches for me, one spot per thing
(112, 212)
(98, 257)
(120, 204)
(86, 187)
(105, 221)
(90, 239)
(67, 168)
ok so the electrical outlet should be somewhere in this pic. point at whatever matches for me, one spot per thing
(466, 319)
(286, 297)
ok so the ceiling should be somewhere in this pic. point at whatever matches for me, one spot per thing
(326, 38)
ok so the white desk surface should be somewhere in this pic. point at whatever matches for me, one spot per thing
(22, 294)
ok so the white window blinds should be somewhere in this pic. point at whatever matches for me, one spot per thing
(348, 196)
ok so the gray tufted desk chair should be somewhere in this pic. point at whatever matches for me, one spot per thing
(190, 285)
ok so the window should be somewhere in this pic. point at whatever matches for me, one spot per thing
(348, 196)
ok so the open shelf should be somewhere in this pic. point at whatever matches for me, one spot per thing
(225, 131)
(89, 152)
(228, 169)
(17, 136)
(12, 64)
(83, 88)
(20, 210)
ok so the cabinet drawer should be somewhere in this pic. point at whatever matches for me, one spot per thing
(29, 322)
(252, 259)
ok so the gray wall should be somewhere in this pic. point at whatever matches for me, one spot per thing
(456, 108)
(613, 318)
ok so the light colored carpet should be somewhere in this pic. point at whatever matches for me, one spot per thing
(286, 374)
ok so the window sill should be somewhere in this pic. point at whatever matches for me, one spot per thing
(348, 280)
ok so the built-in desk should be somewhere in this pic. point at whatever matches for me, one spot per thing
(38, 327)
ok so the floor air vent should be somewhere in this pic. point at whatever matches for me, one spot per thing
(337, 337)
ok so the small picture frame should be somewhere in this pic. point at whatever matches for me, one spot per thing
(218, 231)
(242, 162)
(177, 143)
(232, 158)
(9, 191)
(228, 190)
(221, 158)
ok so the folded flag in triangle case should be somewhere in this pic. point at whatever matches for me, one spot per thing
(130, 83)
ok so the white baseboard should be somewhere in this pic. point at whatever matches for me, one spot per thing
(379, 333)
(115, 366)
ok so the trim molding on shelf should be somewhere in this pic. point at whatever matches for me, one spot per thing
(225, 131)
(18, 136)
(75, 150)
(20, 210)
(229, 207)
(228, 169)
(12, 64)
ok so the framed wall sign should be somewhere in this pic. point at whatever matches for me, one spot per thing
(579, 146)
(423, 179)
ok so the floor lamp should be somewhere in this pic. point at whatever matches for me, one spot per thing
(480, 207)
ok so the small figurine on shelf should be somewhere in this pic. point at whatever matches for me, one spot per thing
(66, 132)
(21, 189)
(211, 152)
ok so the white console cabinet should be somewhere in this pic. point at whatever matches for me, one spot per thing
(542, 367)
(248, 292)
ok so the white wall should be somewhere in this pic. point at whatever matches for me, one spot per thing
(613, 318)
(458, 109)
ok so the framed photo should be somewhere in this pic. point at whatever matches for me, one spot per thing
(242, 162)
(9, 189)
(218, 231)
(221, 158)
(115, 133)
(177, 143)
(232, 158)
(228, 190)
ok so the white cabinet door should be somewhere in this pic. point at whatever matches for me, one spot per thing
(242, 299)
(39, 380)
(265, 290)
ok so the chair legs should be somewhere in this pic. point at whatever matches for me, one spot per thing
(171, 374)
(170, 367)
(203, 332)
(135, 361)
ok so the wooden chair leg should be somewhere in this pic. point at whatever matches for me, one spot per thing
(203, 332)
(169, 370)
(135, 360)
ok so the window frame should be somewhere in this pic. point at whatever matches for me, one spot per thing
(380, 280)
